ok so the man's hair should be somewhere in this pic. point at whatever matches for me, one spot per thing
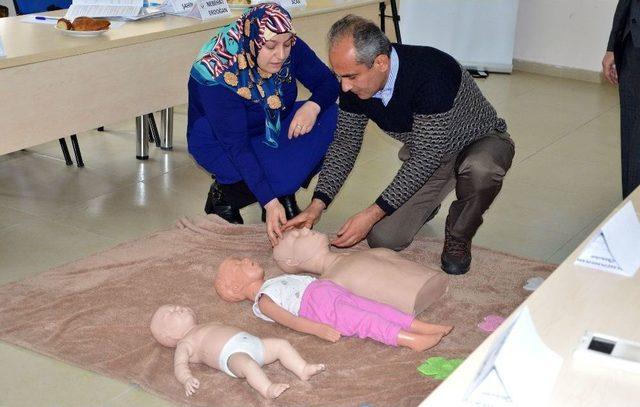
(368, 40)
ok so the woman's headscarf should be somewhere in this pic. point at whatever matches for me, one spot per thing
(230, 59)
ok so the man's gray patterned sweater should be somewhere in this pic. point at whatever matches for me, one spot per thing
(436, 110)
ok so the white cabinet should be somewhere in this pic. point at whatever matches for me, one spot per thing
(480, 34)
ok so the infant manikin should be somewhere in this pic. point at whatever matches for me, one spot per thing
(235, 352)
(322, 307)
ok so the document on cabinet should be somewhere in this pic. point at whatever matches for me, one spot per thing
(104, 8)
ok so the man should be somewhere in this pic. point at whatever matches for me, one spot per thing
(621, 64)
(452, 135)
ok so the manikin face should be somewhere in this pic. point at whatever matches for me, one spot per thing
(171, 322)
(300, 245)
(244, 269)
(274, 52)
(235, 276)
(357, 78)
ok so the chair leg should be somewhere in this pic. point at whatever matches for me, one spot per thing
(65, 151)
(154, 136)
(101, 128)
(76, 151)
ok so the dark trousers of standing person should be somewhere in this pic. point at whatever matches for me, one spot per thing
(476, 173)
(628, 64)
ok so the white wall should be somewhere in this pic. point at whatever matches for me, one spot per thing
(566, 33)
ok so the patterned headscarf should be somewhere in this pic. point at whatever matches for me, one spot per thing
(230, 59)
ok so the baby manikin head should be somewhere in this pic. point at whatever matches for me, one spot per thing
(234, 276)
(170, 323)
(298, 246)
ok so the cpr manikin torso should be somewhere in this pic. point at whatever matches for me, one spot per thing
(380, 274)
(226, 348)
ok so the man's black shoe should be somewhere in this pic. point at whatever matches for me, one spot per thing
(217, 205)
(456, 255)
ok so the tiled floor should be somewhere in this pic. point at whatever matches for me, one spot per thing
(563, 182)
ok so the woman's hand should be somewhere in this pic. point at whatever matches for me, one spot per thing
(276, 217)
(304, 119)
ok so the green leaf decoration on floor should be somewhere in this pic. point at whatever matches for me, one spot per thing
(438, 367)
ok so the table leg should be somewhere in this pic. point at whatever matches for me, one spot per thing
(142, 139)
(166, 122)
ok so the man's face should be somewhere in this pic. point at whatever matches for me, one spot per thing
(357, 78)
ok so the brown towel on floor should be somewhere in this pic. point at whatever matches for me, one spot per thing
(95, 313)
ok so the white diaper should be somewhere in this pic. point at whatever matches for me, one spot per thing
(242, 342)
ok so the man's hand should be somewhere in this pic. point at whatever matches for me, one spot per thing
(304, 119)
(328, 333)
(358, 226)
(307, 218)
(276, 217)
(609, 68)
(191, 385)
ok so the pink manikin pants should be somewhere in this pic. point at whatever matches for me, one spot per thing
(325, 301)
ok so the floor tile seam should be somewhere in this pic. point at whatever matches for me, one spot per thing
(98, 171)
(75, 204)
(565, 135)
(599, 217)
(3, 227)
(599, 115)
(119, 396)
(79, 204)
(69, 225)
(554, 154)
(168, 188)
(554, 189)
(519, 99)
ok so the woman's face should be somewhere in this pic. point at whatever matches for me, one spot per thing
(274, 52)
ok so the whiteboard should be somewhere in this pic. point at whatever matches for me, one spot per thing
(480, 34)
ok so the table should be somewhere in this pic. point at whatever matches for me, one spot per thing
(52, 85)
(572, 300)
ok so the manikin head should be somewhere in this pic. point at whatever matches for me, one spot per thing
(359, 54)
(237, 277)
(171, 323)
(298, 247)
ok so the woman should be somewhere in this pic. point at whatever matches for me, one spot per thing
(244, 125)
